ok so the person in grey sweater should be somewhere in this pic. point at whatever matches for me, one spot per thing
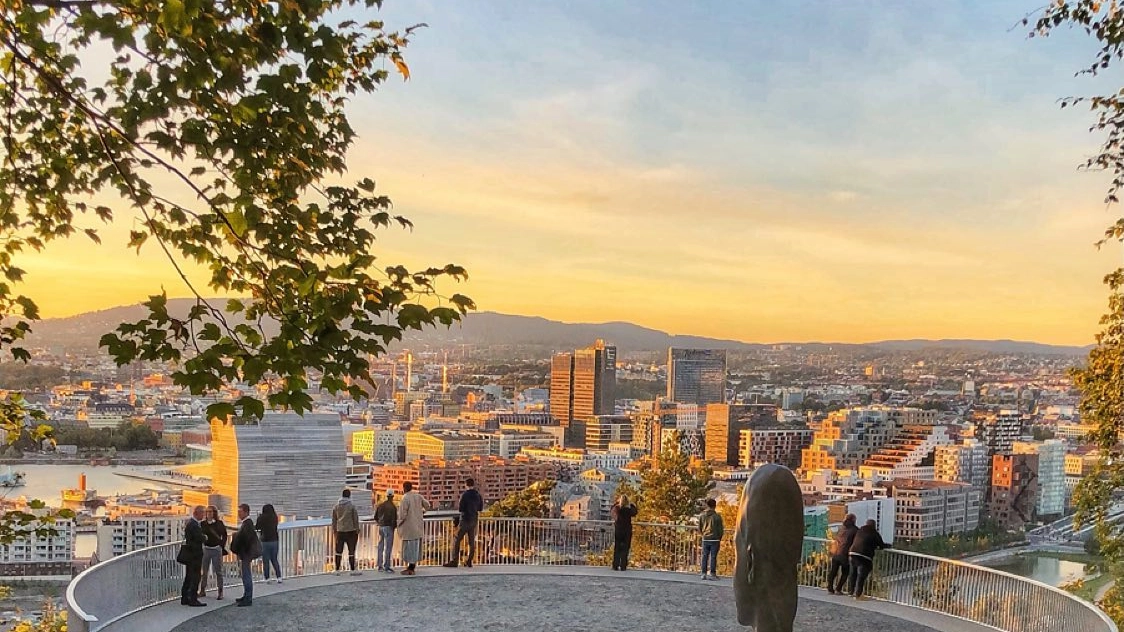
(345, 524)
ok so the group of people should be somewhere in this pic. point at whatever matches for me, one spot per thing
(404, 519)
(207, 541)
(852, 551)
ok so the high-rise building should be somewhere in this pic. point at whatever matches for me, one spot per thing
(847, 438)
(1014, 490)
(1051, 475)
(297, 464)
(582, 385)
(724, 423)
(999, 430)
(696, 376)
(925, 509)
(778, 444)
(967, 462)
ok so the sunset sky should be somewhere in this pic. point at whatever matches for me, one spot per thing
(758, 171)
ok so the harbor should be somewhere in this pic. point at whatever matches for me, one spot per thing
(166, 477)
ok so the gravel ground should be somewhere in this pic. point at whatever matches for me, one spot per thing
(532, 603)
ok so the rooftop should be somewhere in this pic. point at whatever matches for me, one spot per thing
(519, 598)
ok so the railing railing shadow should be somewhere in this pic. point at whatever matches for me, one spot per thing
(126, 584)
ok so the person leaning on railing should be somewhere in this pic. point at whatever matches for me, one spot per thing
(411, 526)
(866, 544)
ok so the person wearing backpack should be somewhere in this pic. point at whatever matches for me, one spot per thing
(839, 548)
(247, 546)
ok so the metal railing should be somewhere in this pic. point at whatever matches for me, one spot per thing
(126, 584)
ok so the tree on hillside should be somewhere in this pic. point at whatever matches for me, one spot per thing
(217, 131)
(532, 502)
(1102, 400)
(672, 485)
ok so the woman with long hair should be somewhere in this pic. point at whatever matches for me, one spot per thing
(214, 548)
(270, 542)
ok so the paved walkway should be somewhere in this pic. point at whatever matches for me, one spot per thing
(518, 598)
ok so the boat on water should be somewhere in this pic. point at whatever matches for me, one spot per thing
(10, 478)
(79, 494)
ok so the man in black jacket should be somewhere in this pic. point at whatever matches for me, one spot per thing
(866, 544)
(243, 546)
(472, 503)
(841, 554)
(193, 558)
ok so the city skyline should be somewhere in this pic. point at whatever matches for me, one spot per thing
(862, 173)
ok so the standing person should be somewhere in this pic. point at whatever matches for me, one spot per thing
(623, 512)
(386, 514)
(191, 556)
(345, 525)
(214, 547)
(471, 504)
(411, 528)
(840, 550)
(247, 547)
(711, 528)
(866, 544)
(270, 541)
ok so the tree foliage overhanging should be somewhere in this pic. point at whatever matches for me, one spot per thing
(1100, 380)
(218, 128)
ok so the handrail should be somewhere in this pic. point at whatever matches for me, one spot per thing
(121, 586)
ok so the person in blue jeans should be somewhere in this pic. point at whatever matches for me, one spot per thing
(386, 514)
(270, 542)
(711, 529)
(243, 545)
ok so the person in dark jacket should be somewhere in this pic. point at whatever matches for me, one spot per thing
(270, 541)
(242, 545)
(623, 512)
(214, 547)
(841, 554)
(386, 514)
(193, 547)
(866, 544)
(471, 504)
(711, 530)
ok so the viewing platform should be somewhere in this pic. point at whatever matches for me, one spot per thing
(550, 574)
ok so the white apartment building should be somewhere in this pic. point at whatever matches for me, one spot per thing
(926, 509)
(35, 548)
(881, 510)
(1051, 475)
(129, 533)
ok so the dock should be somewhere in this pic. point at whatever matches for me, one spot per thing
(167, 478)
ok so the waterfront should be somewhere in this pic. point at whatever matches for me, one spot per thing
(46, 482)
(1043, 568)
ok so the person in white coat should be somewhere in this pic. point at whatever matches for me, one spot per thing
(411, 511)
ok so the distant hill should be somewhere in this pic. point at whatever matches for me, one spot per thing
(81, 332)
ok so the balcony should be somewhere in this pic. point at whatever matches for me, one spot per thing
(551, 574)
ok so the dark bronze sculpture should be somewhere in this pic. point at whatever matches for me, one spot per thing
(768, 545)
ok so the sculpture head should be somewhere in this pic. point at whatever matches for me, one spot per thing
(769, 540)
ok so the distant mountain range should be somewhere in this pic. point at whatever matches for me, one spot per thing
(81, 332)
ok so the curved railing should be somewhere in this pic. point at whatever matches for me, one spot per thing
(124, 585)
